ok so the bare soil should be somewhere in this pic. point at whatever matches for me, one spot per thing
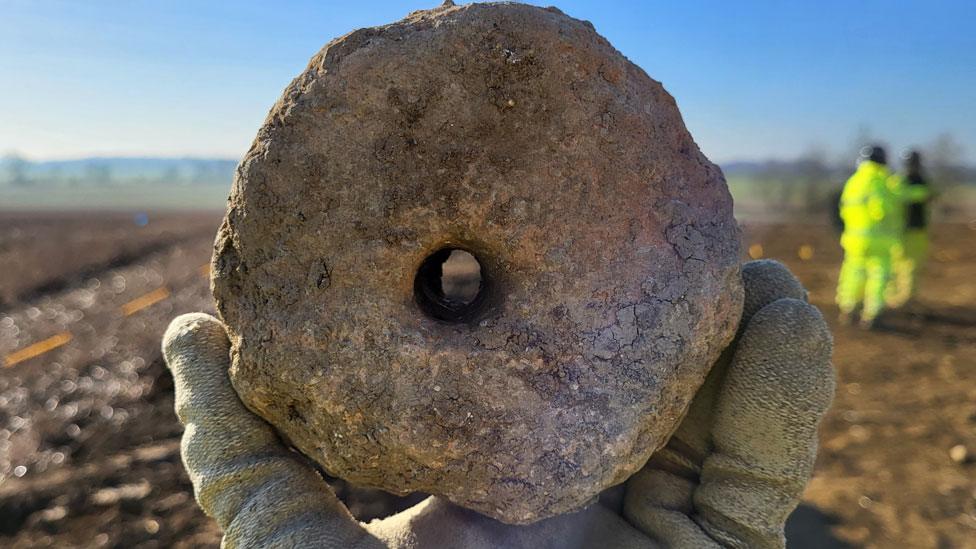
(42, 253)
(906, 396)
(89, 445)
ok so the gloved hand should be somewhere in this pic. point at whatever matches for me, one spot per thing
(730, 475)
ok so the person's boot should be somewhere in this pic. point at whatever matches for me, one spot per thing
(846, 318)
(869, 323)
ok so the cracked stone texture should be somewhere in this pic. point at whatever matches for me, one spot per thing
(607, 243)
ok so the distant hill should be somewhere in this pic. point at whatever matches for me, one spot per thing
(115, 184)
(16, 171)
(204, 183)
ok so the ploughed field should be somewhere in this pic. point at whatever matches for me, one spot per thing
(89, 445)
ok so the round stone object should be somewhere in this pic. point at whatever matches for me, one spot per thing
(609, 261)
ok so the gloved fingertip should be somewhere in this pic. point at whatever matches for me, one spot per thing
(803, 334)
(766, 281)
(778, 387)
(192, 331)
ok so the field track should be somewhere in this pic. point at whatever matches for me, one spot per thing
(89, 444)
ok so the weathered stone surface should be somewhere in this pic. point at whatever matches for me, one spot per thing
(607, 243)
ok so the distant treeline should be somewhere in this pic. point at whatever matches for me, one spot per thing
(15, 170)
(803, 170)
(803, 188)
(87, 172)
(808, 189)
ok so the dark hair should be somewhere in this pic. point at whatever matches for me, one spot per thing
(913, 162)
(874, 153)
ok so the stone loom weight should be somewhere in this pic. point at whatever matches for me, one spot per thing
(606, 243)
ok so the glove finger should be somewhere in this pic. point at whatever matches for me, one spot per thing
(659, 497)
(778, 386)
(658, 502)
(260, 493)
(662, 490)
(764, 282)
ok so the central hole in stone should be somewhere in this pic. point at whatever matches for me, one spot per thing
(449, 285)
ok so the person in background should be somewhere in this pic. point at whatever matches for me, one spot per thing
(909, 257)
(873, 219)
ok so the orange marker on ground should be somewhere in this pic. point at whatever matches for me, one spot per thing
(145, 300)
(805, 252)
(37, 349)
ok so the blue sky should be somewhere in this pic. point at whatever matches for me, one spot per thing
(754, 80)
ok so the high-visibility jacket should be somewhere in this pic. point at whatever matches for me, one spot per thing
(871, 207)
(915, 193)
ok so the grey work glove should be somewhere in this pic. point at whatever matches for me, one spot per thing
(736, 467)
(730, 475)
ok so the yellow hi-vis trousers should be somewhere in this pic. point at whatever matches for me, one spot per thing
(906, 264)
(864, 275)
